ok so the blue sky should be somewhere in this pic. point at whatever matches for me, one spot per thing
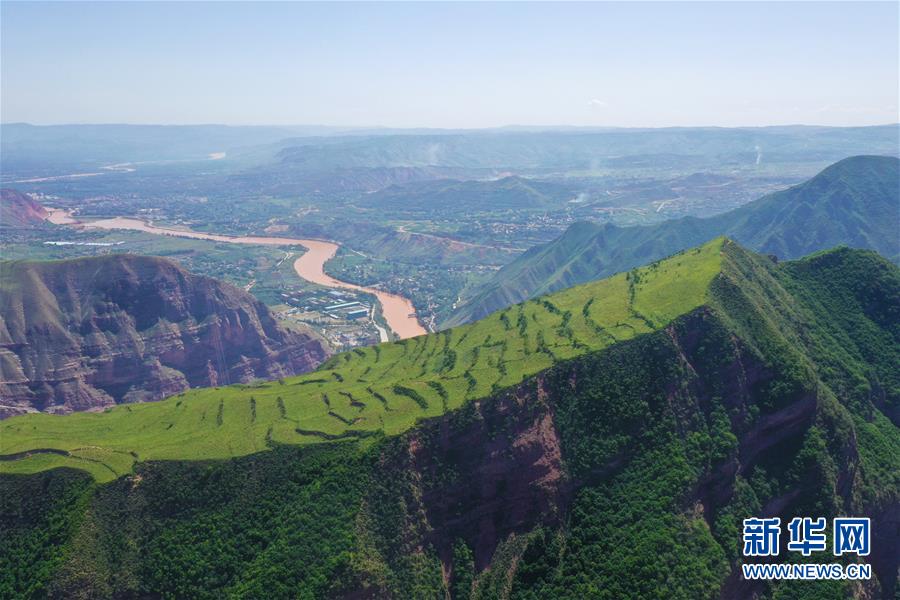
(450, 64)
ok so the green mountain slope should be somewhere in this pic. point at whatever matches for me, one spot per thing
(622, 470)
(356, 394)
(855, 202)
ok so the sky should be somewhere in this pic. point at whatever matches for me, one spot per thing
(450, 65)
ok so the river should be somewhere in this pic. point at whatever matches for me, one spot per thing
(398, 311)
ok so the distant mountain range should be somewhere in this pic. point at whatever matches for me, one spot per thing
(855, 202)
(589, 149)
(90, 333)
(312, 157)
(371, 160)
(26, 146)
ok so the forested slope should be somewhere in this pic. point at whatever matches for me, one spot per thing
(618, 471)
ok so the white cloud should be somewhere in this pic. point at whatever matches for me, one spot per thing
(597, 103)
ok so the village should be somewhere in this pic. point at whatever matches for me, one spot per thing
(346, 319)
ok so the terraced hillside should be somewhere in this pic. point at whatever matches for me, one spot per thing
(618, 472)
(360, 393)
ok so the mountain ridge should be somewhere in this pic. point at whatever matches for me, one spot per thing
(384, 388)
(767, 393)
(859, 199)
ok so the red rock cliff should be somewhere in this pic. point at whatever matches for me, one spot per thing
(89, 333)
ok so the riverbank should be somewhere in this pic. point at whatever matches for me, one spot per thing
(398, 311)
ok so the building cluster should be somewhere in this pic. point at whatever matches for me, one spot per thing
(342, 316)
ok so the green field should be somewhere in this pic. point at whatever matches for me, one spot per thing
(238, 264)
(360, 393)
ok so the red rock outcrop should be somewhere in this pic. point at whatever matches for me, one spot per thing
(89, 333)
(19, 210)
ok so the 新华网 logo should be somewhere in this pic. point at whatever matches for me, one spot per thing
(849, 536)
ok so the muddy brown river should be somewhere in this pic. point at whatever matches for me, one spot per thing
(398, 311)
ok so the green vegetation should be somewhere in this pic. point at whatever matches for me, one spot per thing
(186, 530)
(38, 515)
(659, 514)
(617, 472)
(479, 198)
(853, 202)
(432, 288)
(452, 196)
(218, 422)
(239, 264)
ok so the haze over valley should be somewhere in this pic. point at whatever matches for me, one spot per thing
(450, 300)
(427, 217)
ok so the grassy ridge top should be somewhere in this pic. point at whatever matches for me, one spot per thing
(853, 202)
(366, 391)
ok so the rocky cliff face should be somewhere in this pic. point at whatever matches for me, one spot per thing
(492, 471)
(90, 333)
(19, 210)
(531, 480)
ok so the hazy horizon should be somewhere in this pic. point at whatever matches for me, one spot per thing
(510, 126)
(451, 66)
